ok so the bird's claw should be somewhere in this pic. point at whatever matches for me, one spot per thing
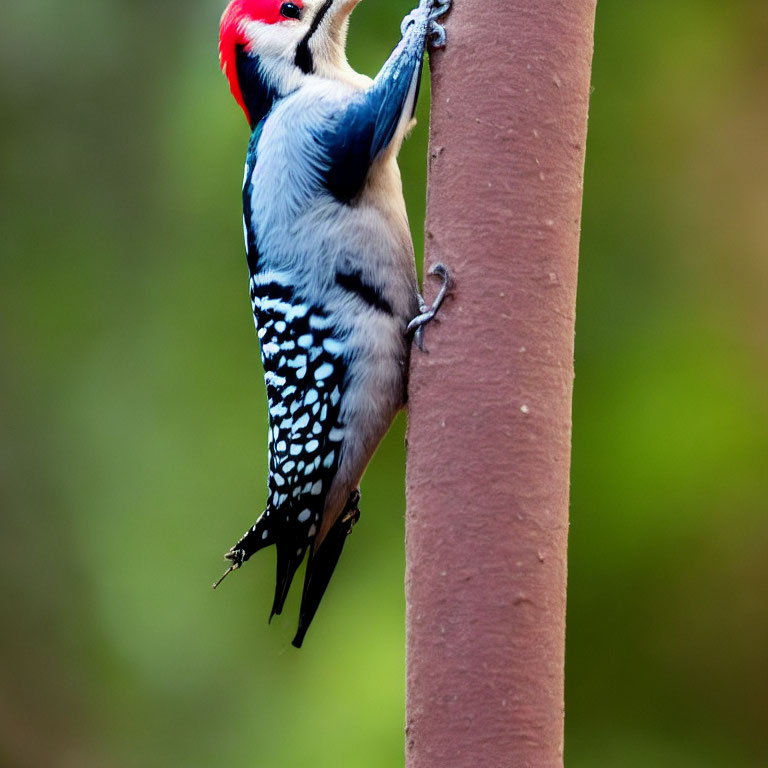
(436, 35)
(436, 32)
(434, 10)
(427, 313)
(440, 9)
(351, 512)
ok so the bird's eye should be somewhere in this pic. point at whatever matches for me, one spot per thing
(290, 11)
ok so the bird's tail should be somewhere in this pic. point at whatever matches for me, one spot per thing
(289, 557)
(322, 564)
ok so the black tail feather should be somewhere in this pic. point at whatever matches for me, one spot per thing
(289, 558)
(290, 553)
(321, 566)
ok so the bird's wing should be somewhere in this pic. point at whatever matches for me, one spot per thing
(377, 119)
(304, 371)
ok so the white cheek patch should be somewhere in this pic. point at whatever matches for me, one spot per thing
(278, 40)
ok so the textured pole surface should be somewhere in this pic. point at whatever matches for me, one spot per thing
(490, 406)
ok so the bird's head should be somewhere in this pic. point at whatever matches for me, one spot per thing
(267, 46)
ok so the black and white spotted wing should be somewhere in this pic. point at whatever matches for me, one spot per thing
(304, 372)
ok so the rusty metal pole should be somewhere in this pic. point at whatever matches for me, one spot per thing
(490, 406)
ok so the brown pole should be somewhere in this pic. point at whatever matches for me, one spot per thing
(490, 406)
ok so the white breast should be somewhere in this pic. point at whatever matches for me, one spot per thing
(301, 229)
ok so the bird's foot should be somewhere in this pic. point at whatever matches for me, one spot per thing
(436, 32)
(434, 10)
(427, 313)
(351, 512)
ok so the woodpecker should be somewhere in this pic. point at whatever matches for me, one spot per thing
(333, 282)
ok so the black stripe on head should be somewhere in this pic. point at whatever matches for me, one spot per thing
(304, 60)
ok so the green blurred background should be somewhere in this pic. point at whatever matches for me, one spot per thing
(132, 419)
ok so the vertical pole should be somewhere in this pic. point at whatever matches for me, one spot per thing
(490, 406)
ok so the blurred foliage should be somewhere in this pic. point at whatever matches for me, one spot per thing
(133, 440)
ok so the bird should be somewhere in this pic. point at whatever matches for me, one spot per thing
(332, 277)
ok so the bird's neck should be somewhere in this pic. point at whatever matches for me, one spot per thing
(259, 92)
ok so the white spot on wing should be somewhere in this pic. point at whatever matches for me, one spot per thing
(299, 310)
(300, 361)
(333, 347)
(319, 323)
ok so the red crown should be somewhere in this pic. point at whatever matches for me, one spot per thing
(237, 14)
